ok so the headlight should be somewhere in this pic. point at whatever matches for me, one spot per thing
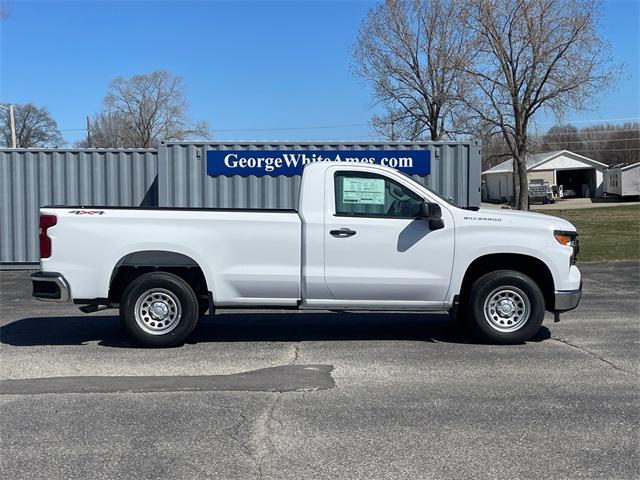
(569, 239)
(566, 238)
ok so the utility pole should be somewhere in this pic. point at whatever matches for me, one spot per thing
(12, 126)
(89, 144)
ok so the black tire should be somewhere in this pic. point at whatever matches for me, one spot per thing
(508, 291)
(180, 304)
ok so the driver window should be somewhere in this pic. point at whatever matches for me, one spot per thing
(369, 194)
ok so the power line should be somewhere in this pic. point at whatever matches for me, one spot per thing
(613, 150)
(567, 122)
(224, 130)
(273, 129)
(561, 142)
(351, 125)
(598, 150)
(586, 130)
(366, 125)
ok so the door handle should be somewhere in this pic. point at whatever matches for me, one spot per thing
(343, 233)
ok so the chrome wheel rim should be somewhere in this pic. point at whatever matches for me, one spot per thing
(507, 309)
(157, 311)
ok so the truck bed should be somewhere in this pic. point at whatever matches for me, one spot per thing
(247, 255)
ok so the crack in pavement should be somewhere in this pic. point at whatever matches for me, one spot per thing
(246, 451)
(592, 354)
(264, 430)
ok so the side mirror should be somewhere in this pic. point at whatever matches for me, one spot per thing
(430, 211)
(433, 213)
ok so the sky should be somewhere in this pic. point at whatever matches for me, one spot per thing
(254, 70)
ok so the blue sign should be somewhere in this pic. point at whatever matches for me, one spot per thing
(291, 162)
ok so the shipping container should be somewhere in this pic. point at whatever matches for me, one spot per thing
(177, 174)
(183, 180)
(33, 178)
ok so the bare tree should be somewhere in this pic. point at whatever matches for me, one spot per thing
(144, 109)
(4, 11)
(109, 130)
(612, 143)
(34, 127)
(412, 52)
(623, 145)
(561, 137)
(494, 150)
(532, 54)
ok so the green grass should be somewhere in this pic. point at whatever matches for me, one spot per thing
(607, 233)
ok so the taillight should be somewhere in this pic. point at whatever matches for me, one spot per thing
(46, 221)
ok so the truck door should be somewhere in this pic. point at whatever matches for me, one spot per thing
(377, 249)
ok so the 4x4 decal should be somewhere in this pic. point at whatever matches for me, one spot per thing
(87, 212)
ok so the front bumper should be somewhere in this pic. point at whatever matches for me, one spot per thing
(567, 299)
(50, 287)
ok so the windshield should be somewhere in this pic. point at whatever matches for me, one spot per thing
(447, 200)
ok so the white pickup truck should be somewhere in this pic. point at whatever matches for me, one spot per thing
(364, 237)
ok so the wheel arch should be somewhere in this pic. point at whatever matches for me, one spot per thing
(531, 266)
(135, 264)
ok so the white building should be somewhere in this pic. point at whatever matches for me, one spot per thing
(622, 180)
(579, 176)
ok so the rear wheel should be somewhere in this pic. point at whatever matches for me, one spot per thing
(159, 309)
(506, 307)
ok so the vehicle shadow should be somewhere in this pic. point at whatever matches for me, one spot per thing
(250, 327)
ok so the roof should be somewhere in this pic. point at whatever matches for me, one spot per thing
(623, 166)
(537, 159)
(630, 166)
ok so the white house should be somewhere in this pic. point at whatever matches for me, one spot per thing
(622, 180)
(576, 173)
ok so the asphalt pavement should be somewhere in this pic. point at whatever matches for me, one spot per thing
(268, 394)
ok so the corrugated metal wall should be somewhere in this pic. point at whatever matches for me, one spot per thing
(30, 179)
(182, 179)
(175, 176)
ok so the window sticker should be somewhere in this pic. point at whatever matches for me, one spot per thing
(363, 191)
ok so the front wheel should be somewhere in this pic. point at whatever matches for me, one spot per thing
(506, 307)
(159, 309)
